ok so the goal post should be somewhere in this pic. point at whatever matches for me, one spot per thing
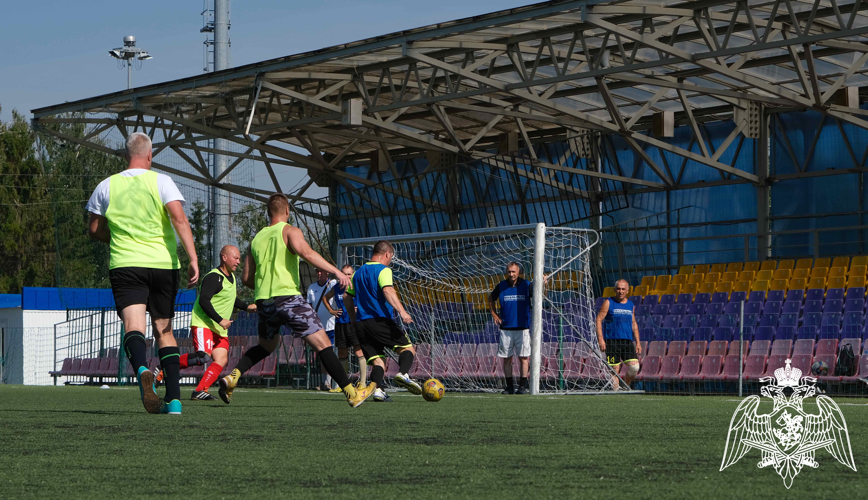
(445, 280)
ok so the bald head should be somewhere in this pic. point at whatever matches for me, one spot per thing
(230, 257)
(138, 146)
(622, 288)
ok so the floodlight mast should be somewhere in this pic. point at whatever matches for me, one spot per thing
(127, 54)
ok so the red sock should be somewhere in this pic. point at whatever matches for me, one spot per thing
(210, 377)
(184, 361)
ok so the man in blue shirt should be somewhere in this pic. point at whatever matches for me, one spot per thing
(514, 295)
(618, 333)
(374, 295)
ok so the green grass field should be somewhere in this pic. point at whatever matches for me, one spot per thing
(83, 442)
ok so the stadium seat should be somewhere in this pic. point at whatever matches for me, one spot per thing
(837, 272)
(709, 321)
(782, 274)
(768, 265)
(733, 348)
(684, 298)
(725, 288)
(861, 370)
(734, 267)
(757, 296)
(640, 290)
(696, 278)
(855, 318)
(650, 300)
(760, 347)
(678, 279)
(814, 319)
(660, 310)
(657, 348)
(701, 268)
(818, 283)
(690, 367)
(738, 296)
(717, 268)
(766, 275)
(786, 332)
(856, 282)
(819, 272)
(669, 368)
(804, 263)
(731, 365)
(781, 346)
(812, 306)
(690, 288)
(731, 320)
(778, 285)
(706, 288)
(836, 282)
(759, 286)
(791, 307)
(711, 369)
(702, 333)
(807, 332)
(775, 295)
(716, 347)
(823, 262)
(712, 278)
(830, 360)
(684, 333)
(797, 284)
(672, 321)
(728, 277)
(803, 363)
(754, 366)
(770, 320)
(719, 298)
(786, 265)
(857, 271)
(673, 289)
(715, 308)
(741, 286)
(697, 308)
(65, 368)
(635, 299)
(772, 307)
(764, 333)
(607, 292)
(702, 298)
(649, 369)
(678, 309)
(751, 266)
(747, 276)
(827, 346)
(661, 284)
(668, 298)
(834, 305)
(790, 320)
(685, 270)
(722, 333)
(648, 282)
(841, 262)
(795, 296)
(695, 348)
(677, 347)
(854, 343)
(775, 361)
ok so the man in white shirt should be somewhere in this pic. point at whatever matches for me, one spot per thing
(316, 294)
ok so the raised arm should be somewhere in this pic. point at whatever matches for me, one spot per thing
(185, 234)
(295, 241)
(97, 228)
(601, 316)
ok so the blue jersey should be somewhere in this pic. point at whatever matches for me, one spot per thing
(514, 304)
(367, 288)
(339, 301)
(619, 321)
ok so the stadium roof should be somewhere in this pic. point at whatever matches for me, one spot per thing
(541, 72)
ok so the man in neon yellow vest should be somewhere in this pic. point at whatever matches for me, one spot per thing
(271, 269)
(135, 212)
(209, 322)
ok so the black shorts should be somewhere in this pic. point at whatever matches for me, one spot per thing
(378, 334)
(156, 288)
(618, 350)
(345, 335)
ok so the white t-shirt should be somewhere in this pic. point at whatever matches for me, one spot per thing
(314, 291)
(99, 200)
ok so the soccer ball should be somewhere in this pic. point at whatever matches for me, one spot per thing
(432, 390)
(820, 368)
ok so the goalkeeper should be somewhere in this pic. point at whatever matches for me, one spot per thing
(373, 293)
(271, 269)
(210, 323)
(514, 295)
(616, 326)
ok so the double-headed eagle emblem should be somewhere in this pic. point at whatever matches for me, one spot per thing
(788, 437)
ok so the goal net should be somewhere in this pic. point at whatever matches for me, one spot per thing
(445, 280)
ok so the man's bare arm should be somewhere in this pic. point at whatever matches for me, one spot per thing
(97, 228)
(601, 315)
(295, 241)
(185, 234)
(249, 272)
(392, 299)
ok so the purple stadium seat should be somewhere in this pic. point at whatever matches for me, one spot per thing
(792, 307)
(702, 298)
(856, 293)
(789, 319)
(769, 320)
(834, 294)
(833, 306)
(660, 310)
(728, 320)
(635, 299)
(643, 310)
(714, 308)
(829, 332)
(854, 318)
(753, 307)
(678, 309)
(664, 334)
(696, 309)
(757, 296)
(760, 347)
(690, 320)
(708, 321)
(738, 297)
(702, 333)
(772, 307)
(732, 308)
(751, 319)
(683, 333)
(854, 305)
(764, 333)
(719, 298)
(672, 321)
(722, 333)
(815, 294)
(667, 299)
(646, 334)
(775, 296)
(807, 332)
(812, 319)
(851, 330)
(650, 300)
(685, 298)
(785, 332)
(795, 296)
(655, 321)
(831, 319)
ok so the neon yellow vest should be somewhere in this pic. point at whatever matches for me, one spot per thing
(276, 266)
(223, 303)
(141, 233)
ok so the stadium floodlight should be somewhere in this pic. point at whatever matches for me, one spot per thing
(127, 54)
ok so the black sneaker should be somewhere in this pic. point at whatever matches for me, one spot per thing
(508, 391)
(522, 390)
(202, 396)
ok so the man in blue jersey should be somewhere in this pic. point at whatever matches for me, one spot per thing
(514, 295)
(373, 293)
(618, 333)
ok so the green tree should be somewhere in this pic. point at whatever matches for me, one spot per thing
(199, 223)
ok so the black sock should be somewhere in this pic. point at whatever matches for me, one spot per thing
(510, 384)
(333, 366)
(136, 349)
(253, 355)
(170, 361)
(377, 374)
(522, 382)
(405, 361)
(198, 358)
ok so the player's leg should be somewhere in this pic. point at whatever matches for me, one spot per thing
(632, 370)
(614, 360)
(522, 347)
(631, 358)
(202, 346)
(352, 339)
(505, 351)
(326, 383)
(163, 287)
(217, 348)
(325, 352)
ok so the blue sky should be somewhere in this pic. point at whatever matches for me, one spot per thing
(56, 51)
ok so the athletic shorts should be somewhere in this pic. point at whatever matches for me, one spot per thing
(345, 335)
(156, 288)
(619, 350)
(206, 341)
(513, 343)
(291, 311)
(378, 334)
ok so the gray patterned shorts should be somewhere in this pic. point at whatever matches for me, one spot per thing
(291, 311)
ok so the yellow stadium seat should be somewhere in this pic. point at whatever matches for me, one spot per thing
(685, 270)
(786, 264)
(751, 266)
(706, 288)
(824, 262)
(798, 284)
(712, 278)
(858, 271)
(765, 274)
(673, 289)
(746, 275)
(804, 263)
(731, 276)
(662, 283)
(856, 282)
(837, 271)
(641, 290)
(648, 281)
(859, 260)
(679, 279)
(783, 274)
(696, 278)
(841, 262)
(816, 283)
(837, 282)
(741, 286)
(769, 265)
(759, 286)
(778, 285)
(724, 287)
(718, 268)
(609, 291)
(734, 267)
(820, 272)
(690, 288)
(801, 272)
(700, 268)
